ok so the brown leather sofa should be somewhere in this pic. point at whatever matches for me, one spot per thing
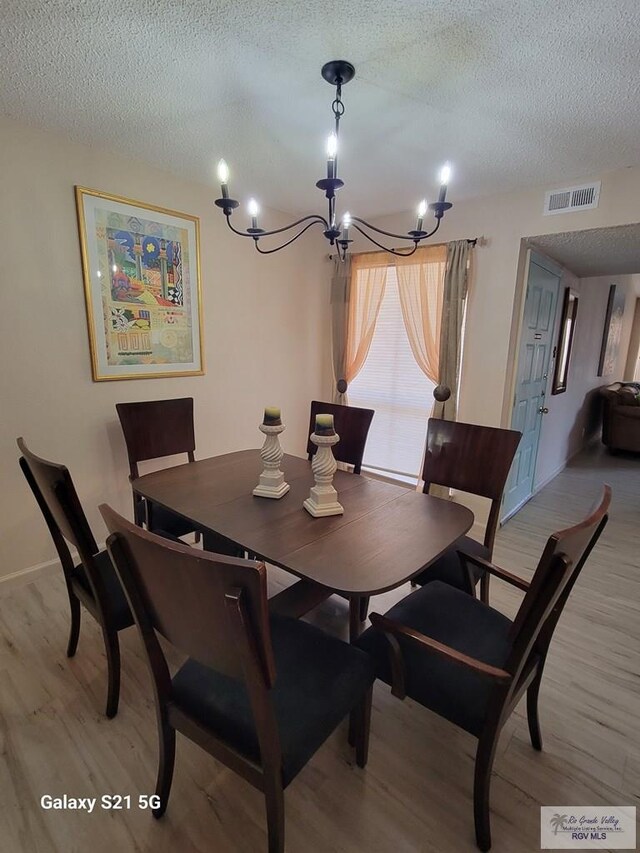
(621, 416)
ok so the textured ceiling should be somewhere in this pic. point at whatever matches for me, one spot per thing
(597, 251)
(514, 92)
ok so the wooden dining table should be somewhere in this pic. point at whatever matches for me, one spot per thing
(386, 536)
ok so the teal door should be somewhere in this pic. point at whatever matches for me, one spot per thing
(536, 344)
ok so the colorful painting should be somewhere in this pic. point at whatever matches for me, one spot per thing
(142, 286)
(612, 332)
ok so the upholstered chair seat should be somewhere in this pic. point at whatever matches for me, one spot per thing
(308, 701)
(461, 622)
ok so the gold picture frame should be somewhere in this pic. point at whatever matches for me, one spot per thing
(141, 270)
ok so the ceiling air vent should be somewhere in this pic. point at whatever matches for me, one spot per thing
(568, 199)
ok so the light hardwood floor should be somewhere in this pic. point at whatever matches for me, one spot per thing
(415, 794)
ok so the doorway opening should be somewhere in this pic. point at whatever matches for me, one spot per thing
(599, 269)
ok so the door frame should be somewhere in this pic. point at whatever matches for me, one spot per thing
(528, 252)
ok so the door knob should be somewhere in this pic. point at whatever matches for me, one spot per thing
(543, 410)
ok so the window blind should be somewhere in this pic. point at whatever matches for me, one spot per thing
(392, 383)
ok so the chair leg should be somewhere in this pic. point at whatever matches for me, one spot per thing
(351, 736)
(532, 710)
(74, 631)
(274, 799)
(360, 726)
(167, 741)
(364, 607)
(355, 623)
(484, 587)
(139, 511)
(482, 782)
(112, 647)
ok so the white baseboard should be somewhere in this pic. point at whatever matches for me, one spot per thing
(553, 474)
(35, 573)
(29, 575)
(539, 486)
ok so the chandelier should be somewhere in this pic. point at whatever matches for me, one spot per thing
(338, 73)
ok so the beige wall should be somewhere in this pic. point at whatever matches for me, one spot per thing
(264, 325)
(574, 417)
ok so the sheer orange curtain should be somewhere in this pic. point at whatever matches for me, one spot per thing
(421, 289)
(367, 283)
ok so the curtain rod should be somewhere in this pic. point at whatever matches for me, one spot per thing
(472, 241)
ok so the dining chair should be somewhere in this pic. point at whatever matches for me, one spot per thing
(93, 582)
(469, 663)
(352, 425)
(260, 692)
(153, 429)
(474, 459)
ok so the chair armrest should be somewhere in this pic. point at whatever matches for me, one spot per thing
(494, 570)
(392, 630)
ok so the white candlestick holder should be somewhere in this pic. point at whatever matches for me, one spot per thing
(271, 484)
(323, 498)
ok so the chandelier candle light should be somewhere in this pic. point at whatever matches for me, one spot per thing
(271, 484)
(337, 73)
(323, 498)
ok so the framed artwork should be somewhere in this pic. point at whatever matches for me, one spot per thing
(141, 270)
(612, 332)
(565, 341)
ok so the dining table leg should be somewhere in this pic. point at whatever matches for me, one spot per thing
(220, 545)
(355, 623)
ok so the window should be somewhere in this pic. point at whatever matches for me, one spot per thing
(392, 383)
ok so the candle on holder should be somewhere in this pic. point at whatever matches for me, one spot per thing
(254, 209)
(223, 177)
(271, 483)
(422, 209)
(323, 498)
(272, 416)
(332, 150)
(346, 224)
(324, 425)
(445, 177)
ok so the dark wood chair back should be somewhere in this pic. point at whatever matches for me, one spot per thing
(214, 609)
(153, 429)
(93, 582)
(352, 425)
(157, 428)
(558, 569)
(470, 458)
(57, 498)
(191, 598)
(519, 647)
